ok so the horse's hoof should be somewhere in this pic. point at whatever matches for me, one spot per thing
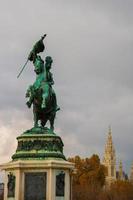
(28, 104)
(52, 128)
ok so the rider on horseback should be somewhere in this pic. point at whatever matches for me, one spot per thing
(41, 93)
(44, 80)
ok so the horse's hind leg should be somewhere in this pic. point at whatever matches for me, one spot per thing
(35, 121)
(52, 122)
(35, 118)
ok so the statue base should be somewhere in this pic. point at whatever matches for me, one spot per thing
(39, 143)
(39, 168)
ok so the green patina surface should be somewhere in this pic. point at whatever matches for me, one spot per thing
(39, 130)
(36, 144)
(41, 94)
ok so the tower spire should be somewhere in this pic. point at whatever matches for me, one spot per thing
(109, 159)
(110, 130)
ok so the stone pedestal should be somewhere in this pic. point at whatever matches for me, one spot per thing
(38, 170)
(45, 169)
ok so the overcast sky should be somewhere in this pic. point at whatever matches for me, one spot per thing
(91, 43)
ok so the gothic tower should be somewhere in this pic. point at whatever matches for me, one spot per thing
(109, 159)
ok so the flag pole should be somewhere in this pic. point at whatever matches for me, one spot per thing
(22, 69)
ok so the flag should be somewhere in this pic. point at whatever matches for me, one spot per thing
(37, 48)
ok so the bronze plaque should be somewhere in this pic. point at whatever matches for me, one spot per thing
(35, 186)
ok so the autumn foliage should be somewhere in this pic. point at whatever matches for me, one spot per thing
(89, 171)
(88, 179)
(89, 182)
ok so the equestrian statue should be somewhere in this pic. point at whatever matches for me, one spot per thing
(41, 94)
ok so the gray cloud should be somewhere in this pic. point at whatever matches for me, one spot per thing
(91, 44)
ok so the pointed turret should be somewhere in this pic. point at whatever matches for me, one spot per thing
(109, 159)
(120, 172)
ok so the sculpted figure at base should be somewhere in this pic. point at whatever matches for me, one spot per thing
(11, 185)
(41, 93)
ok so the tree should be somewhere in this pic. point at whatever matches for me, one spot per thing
(122, 190)
(89, 177)
(119, 190)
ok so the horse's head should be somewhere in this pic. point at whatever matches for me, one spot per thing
(39, 65)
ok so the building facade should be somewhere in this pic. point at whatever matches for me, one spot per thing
(109, 161)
